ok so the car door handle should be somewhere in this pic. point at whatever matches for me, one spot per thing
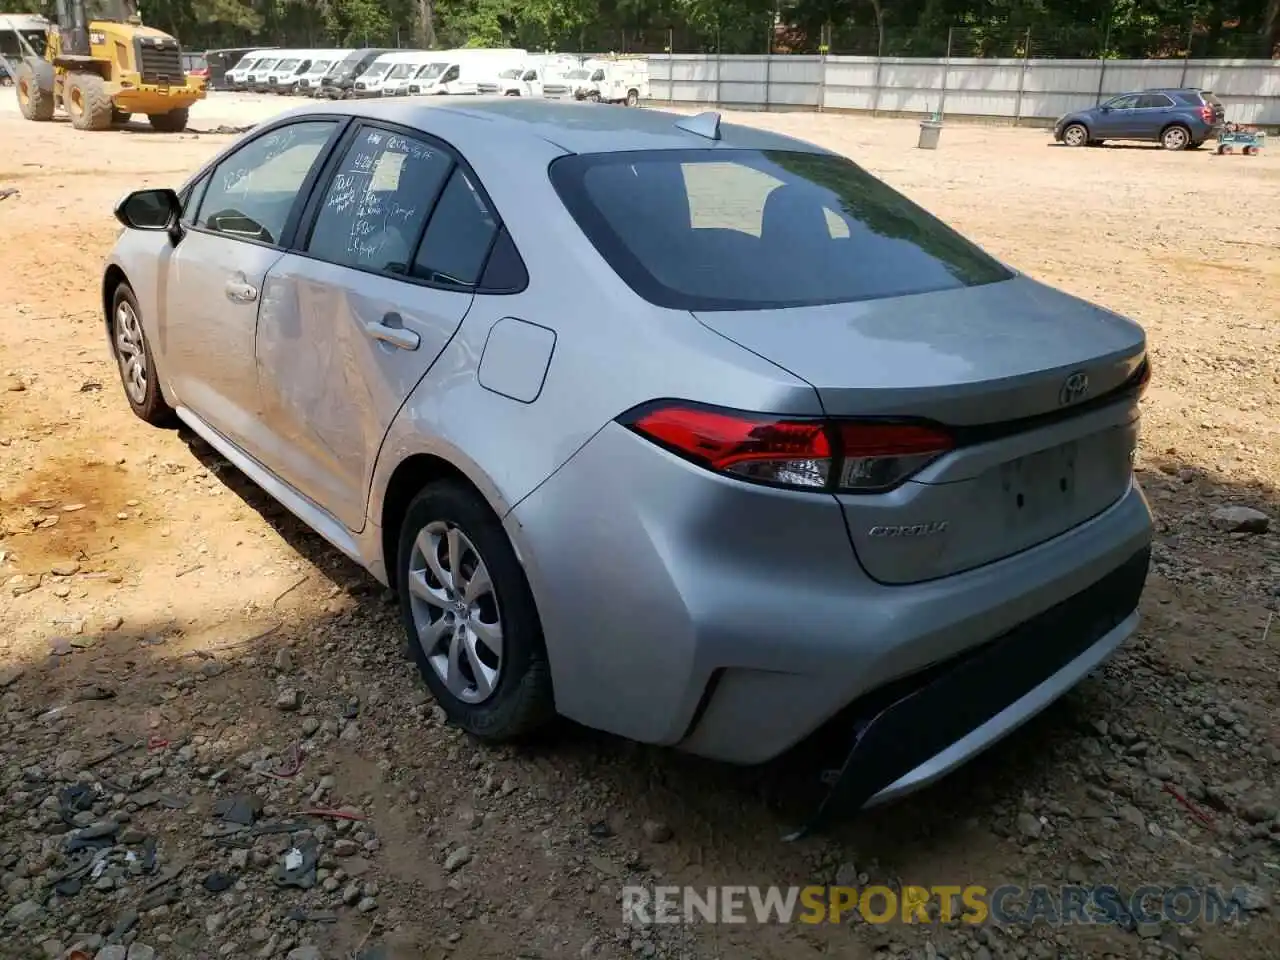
(396, 336)
(241, 292)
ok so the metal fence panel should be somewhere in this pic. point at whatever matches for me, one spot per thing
(1007, 88)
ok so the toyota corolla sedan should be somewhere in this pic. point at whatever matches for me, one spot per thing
(687, 431)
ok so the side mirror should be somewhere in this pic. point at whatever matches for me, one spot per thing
(154, 210)
(1105, 109)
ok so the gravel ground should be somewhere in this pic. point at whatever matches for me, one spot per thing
(187, 675)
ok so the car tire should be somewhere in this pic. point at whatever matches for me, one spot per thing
(1075, 135)
(495, 695)
(1175, 137)
(134, 360)
(633, 97)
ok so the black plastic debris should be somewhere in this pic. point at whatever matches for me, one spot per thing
(218, 881)
(76, 798)
(99, 836)
(299, 866)
(242, 809)
(69, 887)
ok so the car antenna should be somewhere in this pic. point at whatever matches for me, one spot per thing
(703, 125)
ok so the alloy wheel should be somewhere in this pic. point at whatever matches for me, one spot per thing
(455, 611)
(131, 353)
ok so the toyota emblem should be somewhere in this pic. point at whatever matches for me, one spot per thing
(1073, 388)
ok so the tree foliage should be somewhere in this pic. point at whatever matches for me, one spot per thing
(1132, 28)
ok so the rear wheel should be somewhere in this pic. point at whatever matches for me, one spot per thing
(470, 616)
(633, 98)
(87, 102)
(175, 121)
(1176, 137)
(134, 360)
(1075, 135)
(35, 90)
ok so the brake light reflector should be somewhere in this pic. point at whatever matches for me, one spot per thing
(1206, 113)
(834, 455)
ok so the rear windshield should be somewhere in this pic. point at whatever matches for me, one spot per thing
(746, 230)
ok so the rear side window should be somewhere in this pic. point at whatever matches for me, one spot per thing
(744, 229)
(458, 238)
(1189, 98)
(1149, 101)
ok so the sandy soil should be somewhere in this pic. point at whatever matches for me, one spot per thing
(154, 603)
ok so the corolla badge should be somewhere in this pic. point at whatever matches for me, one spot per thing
(929, 529)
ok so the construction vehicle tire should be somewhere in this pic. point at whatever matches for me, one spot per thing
(87, 102)
(119, 117)
(35, 89)
(175, 121)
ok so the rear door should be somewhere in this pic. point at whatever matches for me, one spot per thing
(236, 230)
(359, 313)
(1153, 113)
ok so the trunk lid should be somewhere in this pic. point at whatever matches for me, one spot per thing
(1006, 364)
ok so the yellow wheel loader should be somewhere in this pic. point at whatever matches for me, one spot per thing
(103, 71)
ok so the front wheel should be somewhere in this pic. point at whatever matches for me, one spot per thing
(470, 616)
(35, 89)
(134, 359)
(88, 102)
(175, 121)
(1075, 135)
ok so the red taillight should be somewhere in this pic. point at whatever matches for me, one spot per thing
(1206, 113)
(836, 455)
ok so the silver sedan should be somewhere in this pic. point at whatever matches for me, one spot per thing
(687, 431)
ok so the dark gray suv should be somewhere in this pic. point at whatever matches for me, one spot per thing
(1174, 118)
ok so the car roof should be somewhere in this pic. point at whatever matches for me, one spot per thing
(476, 122)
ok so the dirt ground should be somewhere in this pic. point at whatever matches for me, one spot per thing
(158, 614)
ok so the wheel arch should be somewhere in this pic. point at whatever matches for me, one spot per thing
(1180, 124)
(112, 279)
(408, 478)
(1078, 122)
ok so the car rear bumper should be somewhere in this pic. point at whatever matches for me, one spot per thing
(936, 722)
(734, 620)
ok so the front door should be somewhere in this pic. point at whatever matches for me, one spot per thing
(1118, 120)
(358, 319)
(213, 282)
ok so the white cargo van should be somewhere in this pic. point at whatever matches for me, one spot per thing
(284, 78)
(396, 82)
(237, 75)
(528, 79)
(309, 82)
(255, 77)
(369, 83)
(461, 71)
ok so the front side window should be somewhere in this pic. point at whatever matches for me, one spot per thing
(1127, 102)
(748, 230)
(252, 191)
(374, 209)
(451, 76)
